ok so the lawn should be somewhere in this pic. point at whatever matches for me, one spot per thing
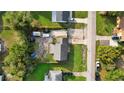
(74, 78)
(80, 14)
(39, 72)
(105, 24)
(73, 64)
(75, 57)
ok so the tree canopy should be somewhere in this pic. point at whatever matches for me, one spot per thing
(117, 74)
(108, 54)
(14, 63)
(17, 20)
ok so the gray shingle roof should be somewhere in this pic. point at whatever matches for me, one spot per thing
(60, 51)
(59, 16)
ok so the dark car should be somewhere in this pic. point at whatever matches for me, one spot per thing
(97, 76)
(115, 38)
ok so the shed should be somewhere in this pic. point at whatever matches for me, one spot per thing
(54, 76)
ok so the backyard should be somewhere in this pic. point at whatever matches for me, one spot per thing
(74, 64)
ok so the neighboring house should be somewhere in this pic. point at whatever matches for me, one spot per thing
(60, 49)
(61, 16)
(53, 76)
(118, 31)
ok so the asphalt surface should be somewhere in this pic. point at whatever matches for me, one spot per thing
(91, 45)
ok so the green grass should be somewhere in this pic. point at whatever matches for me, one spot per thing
(74, 78)
(105, 24)
(80, 14)
(75, 57)
(39, 72)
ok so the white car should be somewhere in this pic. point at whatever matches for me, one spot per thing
(98, 65)
(36, 33)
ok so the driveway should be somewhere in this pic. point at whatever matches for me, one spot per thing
(80, 20)
(78, 36)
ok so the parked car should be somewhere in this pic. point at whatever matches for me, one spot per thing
(98, 65)
(115, 38)
(36, 33)
(33, 55)
(97, 76)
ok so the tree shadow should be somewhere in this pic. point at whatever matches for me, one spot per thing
(1, 21)
(45, 14)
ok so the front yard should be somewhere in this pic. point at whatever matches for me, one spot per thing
(74, 64)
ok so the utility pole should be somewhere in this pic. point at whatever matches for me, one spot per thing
(91, 45)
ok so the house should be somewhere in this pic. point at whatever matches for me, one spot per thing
(118, 31)
(53, 76)
(59, 50)
(59, 33)
(61, 16)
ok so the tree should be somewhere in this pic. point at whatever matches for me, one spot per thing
(115, 13)
(117, 74)
(14, 64)
(17, 20)
(108, 54)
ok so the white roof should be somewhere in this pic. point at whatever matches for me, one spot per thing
(55, 75)
(59, 33)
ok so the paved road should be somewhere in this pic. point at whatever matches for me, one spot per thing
(91, 45)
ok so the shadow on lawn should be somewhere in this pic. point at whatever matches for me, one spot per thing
(37, 14)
